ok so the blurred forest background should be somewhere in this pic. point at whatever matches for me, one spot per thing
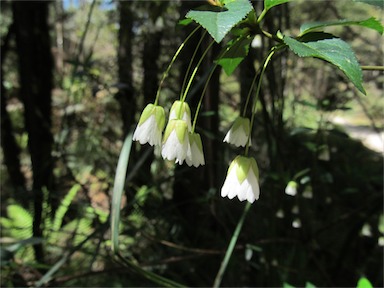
(75, 76)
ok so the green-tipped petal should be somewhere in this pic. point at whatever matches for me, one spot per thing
(195, 138)
(243, 165)
(255, 168)
(181, 130)
(242, 122)
(160, 117)
(147, 112)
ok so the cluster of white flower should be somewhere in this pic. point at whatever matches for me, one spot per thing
(243, 174)
(179, 142)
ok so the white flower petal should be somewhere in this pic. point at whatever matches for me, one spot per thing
(174, 150)
(148, 132)
(248, 190)
(237, 137)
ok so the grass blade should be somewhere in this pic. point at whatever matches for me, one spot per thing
(118, 188)
(231, 246)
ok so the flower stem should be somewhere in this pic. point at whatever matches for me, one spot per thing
(266, 62)
(171, 63)
(184, 95)
(231, 246)
(261, 16)
(249, 95)
(202, 96)
(206, 86)
(190, 62)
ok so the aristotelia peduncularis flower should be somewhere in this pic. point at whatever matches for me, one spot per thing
(239, 135)
(180, 110)
(150, 126)
(195, 154)
(242, 180)
(175, 142)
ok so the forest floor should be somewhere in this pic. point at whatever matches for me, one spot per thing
(366, 134)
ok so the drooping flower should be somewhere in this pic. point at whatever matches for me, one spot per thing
(242, 180)
(181, 111)
(291, 188)
(195, 154)
(238, 135)
(175, 142)
(150, 126)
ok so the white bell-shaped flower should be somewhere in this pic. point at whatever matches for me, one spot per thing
(150, 126)
(291, 188)
(238, 135)
(175, 142)
(242, 180)
(195, 154)
(180, 110)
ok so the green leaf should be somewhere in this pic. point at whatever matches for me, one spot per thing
(364, 283)
(334, 51)
(309, 285)
(118, 188)
(218, 21)
(371, 23)
(237, 50)
(268, 4)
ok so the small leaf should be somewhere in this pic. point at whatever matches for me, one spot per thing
(218, 21)
(309, 285)
(371, 23)
(268, 4)
(237, 50)
(334, 51)
(364, 283)
(185, 22)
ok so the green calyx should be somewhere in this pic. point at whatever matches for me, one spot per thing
(242, 164)
(292, 184)
(242, 122)
(181, 128)
(155, 110)
(179, 108)
(195, 138)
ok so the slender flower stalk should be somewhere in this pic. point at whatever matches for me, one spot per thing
(171, 63)
(266, 62)
(184, 94)
(191, 61)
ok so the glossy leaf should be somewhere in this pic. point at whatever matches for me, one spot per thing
(268, 4)
(370, 23)
(218, 21)
(334, 51)
(237, 51)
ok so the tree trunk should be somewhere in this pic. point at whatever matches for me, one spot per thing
(11, 150)
(126, 95)
(35, 72)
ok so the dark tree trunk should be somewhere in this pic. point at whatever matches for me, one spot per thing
(213, 153)
(11, 150)
(126, 95)
(35, 72)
